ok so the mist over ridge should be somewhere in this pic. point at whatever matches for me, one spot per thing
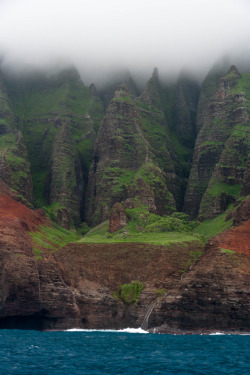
(104, 39)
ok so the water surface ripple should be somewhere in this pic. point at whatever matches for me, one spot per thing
(102, 352)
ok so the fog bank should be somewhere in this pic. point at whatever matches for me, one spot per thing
(104, 36)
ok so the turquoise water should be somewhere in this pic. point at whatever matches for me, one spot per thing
(102, 352)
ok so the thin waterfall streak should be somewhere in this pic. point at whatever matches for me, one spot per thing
(144, 324)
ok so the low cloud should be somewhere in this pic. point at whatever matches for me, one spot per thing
(103, 36)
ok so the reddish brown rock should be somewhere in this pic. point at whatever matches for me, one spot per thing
(33, 293)
(118, 218)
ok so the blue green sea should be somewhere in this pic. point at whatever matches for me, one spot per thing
(122, 352)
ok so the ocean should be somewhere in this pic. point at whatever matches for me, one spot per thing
(121, 352)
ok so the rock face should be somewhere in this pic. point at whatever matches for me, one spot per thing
(58, 117)
(124, 165)
(187, 95)
(242, 213)
(14, 165)
(74, 287)
(151, 94)
(119, 78)
(118, 218)
(33, 293)
(246, 183)
(221, 150)
(66, 181)
(213, 297)
(156, 130)
(208, 89)
(215, 294)
(168, 120)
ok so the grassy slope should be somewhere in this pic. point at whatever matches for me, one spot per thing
(160, 230)
(51, 238)
(210, 228)
(100, 234)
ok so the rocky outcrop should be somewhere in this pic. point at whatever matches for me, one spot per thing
(151, 93)
(242, 213)
(118, 218)
(124, 165)
(221, 150)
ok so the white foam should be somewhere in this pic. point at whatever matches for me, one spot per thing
(127, 330)
(229, 334)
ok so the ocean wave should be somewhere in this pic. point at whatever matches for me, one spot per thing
(126, 330)
(228, 334)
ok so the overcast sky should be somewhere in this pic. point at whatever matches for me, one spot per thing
(102, 35)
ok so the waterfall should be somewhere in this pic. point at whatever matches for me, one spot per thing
(144, 324)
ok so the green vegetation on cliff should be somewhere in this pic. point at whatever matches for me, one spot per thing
(129, 293)
(212, 227)
(14, 166)
(146, 227)
(139, 154)
(222, 147)
(51, 238)
(124, 165)
(42, 105)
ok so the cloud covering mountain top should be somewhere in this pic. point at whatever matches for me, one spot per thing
(99, 36)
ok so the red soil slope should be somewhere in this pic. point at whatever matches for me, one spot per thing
(237, 239)
(13, 213)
